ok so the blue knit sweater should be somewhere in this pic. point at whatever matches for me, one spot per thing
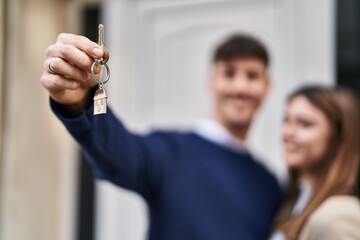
(195, 189)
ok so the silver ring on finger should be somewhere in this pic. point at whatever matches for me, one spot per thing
(49, 65)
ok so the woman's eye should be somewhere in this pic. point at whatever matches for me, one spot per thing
(304, 123)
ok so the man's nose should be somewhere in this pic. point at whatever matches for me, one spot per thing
(241, 83)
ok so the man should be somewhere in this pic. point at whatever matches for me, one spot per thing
(198, 185)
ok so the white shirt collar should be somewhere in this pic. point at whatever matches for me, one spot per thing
(305, 194)
(213, 131)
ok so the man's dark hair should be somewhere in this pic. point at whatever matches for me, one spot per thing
(241, 46)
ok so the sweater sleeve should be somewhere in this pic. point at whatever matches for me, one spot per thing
(128, 160)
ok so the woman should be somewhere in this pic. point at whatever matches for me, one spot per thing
(321, 138)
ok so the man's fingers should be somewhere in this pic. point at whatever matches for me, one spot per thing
(72, 49)
(59, 66)
(70, 54)
(69, 61)
(54, 82)
(84, 44)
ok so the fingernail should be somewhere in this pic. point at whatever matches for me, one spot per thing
(98, 52)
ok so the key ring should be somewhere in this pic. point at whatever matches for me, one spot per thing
(99, 62)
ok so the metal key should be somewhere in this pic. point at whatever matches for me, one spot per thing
(100, 98)
(101, 40)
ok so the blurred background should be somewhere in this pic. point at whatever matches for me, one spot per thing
(160, 56)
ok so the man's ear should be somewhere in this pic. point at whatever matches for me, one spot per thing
(268, 83)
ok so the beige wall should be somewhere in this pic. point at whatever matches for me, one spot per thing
(38, 158)
(2, 72)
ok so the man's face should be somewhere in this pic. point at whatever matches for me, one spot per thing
(238, 87)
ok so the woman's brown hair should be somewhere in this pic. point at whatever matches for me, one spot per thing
(341, 166)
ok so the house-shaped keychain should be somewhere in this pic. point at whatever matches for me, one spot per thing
(100, 101)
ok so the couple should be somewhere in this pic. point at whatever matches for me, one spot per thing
(204, 184)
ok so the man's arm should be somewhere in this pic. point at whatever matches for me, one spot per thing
(128, 160)
(114, 153)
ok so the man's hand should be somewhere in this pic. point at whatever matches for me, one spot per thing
(67, 70)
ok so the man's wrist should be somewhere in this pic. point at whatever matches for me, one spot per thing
(75, 110)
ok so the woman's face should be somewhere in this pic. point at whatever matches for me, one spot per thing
(306, 135)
